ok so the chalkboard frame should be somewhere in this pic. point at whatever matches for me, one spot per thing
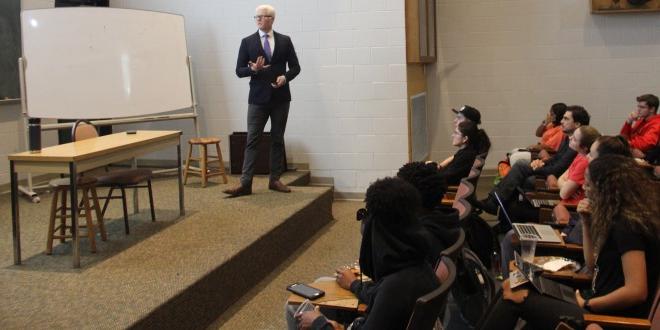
(10, 50)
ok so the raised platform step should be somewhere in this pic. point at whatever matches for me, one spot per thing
(174, 273)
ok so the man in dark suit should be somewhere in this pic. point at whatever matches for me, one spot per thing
(263, 57)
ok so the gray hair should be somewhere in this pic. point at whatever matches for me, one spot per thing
(269, 9)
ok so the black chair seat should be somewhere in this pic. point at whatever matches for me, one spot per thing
(125, 177)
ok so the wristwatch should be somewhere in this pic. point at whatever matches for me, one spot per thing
(587, 306)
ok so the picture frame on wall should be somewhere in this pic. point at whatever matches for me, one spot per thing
(624, 6)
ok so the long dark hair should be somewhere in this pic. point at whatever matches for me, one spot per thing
(620, 190)
(477, 138)
(558, 110)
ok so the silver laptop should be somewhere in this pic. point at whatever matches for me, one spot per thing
(538, 202)
(530, 231)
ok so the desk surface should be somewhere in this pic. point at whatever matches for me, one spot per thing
(335, 297)
(90, 148)
(568, 274)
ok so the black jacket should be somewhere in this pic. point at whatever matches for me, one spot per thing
(261, 92)
(560, 162)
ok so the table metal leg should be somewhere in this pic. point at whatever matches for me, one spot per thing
(73, 181)
(15, 220)
(182, 210)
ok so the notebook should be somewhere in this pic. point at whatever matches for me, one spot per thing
(530, 231)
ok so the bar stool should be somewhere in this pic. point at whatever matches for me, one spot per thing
(204, 171)
(61, 190)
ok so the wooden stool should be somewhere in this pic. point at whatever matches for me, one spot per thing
(61, 186)
(205, 172)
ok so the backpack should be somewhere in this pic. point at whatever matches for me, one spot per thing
(479, 237)
(474, 288)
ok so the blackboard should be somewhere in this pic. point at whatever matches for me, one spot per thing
(89, 62)
(10, 48)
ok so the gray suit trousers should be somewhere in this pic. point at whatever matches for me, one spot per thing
(256, 119)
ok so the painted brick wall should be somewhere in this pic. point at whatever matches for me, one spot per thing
(513, 59)
(348, 116)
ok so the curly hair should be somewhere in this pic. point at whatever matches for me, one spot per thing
(392, 200)
(620, 190)
(428, 181)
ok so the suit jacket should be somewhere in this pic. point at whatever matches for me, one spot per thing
(261, 92)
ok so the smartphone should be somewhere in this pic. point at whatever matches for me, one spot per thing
(306, 291)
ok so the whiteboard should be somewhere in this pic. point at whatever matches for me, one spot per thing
(83, 63)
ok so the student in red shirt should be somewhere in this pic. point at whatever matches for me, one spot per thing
(642, 128)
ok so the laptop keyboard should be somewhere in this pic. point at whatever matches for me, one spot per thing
(544, 202)
(529, 230)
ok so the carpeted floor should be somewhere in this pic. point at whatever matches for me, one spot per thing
(132, 275)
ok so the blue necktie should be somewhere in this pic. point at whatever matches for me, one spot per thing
(267, 50)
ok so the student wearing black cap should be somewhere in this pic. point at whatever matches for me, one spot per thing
(467, 112)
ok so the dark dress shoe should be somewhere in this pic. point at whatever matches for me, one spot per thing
(238, 191)
(279, 186)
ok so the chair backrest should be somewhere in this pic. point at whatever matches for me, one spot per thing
(464, 209)
(478, 163)
(82, 130)
(453, 251)
(465, 189)
(431, 306)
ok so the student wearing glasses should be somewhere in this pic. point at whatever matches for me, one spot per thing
(264, 57)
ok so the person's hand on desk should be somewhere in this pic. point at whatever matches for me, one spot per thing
(345, 277)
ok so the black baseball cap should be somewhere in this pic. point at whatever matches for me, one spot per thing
(470, 113)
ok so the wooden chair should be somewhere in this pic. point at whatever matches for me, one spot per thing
(205, 171)
(60, 210)
(619, 322)
(430, 307)
(116, 180)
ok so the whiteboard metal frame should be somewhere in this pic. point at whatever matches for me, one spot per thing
(29, 189)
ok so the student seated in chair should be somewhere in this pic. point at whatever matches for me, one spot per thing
(392, 254)
(572, 233)
(642, 127)
(574, 117)
(470, 141)
(551, 135)
(439, 220)
(569, 183)
(621, 233)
